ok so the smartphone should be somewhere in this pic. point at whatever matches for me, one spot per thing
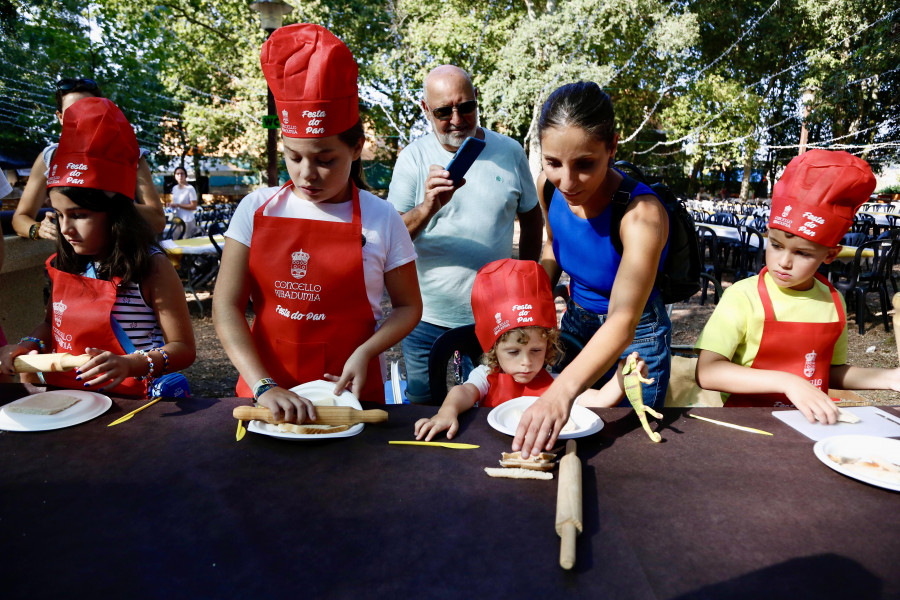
(463, 159)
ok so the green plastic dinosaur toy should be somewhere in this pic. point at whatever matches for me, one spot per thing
(633, 380)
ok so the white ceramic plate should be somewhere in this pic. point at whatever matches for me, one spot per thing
(92, 405)
(315, 391)
(505, 418)
(864, 447)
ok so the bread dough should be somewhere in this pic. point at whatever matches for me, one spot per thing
(48, 403)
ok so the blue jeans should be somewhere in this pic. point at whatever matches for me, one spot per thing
(416, 349)
(652, 340)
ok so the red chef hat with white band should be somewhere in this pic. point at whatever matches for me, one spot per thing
(312, 76)
(97, 149)
(508, 294)
(819, 194)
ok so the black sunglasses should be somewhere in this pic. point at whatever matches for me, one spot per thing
(77, 85)
(464, 108)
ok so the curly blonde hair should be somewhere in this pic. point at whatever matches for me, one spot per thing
(554, 349)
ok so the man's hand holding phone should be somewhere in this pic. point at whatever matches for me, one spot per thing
(439, 188)
(441, 182)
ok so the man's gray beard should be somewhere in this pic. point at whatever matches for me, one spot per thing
(454, 139)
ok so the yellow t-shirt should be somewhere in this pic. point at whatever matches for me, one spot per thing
(735, 328)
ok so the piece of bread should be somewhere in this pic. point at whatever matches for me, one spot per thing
(308, 429)
(541, 462)
(845, 416)
(48, 403)
(330, 401)
(517, 473)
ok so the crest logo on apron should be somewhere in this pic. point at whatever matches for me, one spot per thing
(284, 114)
(299, 262)
(810, 366)
(58, 309)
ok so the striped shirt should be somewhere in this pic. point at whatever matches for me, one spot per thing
(137, 318)
(133, 314)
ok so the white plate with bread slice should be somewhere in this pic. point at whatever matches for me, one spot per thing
(582, 421)
(320, 393)
(52, 410)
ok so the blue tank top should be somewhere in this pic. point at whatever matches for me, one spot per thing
(584, 249)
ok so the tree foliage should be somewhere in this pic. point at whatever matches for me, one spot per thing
(72, 38)
(696, 85)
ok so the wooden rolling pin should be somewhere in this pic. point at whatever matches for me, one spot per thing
(896, 302)
(568, 505)
(47, 363)
(325, 415)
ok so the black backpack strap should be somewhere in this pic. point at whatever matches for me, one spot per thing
(619, 204)
(548, 190)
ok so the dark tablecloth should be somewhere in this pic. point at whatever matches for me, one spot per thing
(169, 505)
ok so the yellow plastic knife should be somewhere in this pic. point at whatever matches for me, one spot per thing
(453, 445)
(132, 413)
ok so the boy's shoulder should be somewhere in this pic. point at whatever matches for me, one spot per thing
(742, 288)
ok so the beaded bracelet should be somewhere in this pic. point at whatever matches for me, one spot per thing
(149, 376)
(165, 355)
(41, 345)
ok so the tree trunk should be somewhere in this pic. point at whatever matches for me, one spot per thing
(749, 150)
(197, 171)
(696, 173)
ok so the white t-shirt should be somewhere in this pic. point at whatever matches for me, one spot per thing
(387, 247)
(184, 195)
(479, 378)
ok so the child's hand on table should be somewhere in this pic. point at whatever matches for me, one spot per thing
(437, 424)
(812, 402)
(893, 379)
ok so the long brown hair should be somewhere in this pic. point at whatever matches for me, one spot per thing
(132, 239)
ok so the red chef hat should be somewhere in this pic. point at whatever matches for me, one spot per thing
(508, 294)
(818, 195)
(97, 149)
(312, 76)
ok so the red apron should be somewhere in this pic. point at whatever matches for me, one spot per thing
(804, 349)
(82, 308)
(309, 295)
(503, 387)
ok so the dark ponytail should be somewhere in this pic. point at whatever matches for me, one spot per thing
(351, 137)
(583, 105)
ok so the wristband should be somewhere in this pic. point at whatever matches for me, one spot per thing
(33, 231)
(263, 389)
(41, 345)
(263, 385)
